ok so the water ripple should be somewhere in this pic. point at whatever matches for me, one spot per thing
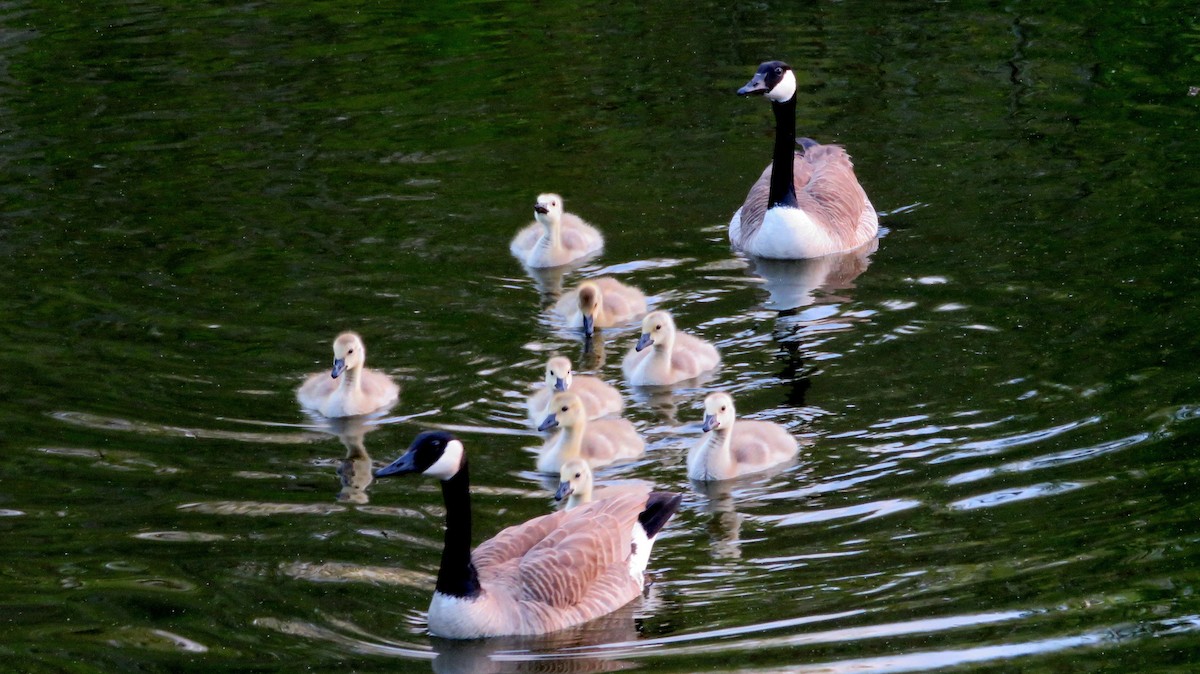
(882, 631)
(1006, 496)
(1052, 460)
(997, 445)
(863, 512)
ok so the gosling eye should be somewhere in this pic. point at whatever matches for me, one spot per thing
(578, 475)
(658, 327)
(350, 352)
(722, 408)
(564, 408)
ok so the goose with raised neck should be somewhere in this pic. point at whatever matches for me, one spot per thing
(808, 202)
(544, 575)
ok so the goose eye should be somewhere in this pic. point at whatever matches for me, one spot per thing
(778, 70)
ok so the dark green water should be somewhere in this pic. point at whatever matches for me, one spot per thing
(999, 416)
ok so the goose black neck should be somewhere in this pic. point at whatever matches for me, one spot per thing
(457, 576)
(783, 187)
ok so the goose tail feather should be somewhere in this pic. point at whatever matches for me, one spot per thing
(660, 506)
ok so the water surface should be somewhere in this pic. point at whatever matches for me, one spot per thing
(996, 406)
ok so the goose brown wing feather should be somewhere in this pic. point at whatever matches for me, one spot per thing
(562, 568)
(513, 542)
(830, 191)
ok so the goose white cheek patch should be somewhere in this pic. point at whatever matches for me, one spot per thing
(785, 89)
(446, 466)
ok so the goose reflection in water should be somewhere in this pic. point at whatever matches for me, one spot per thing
(562, 651)
(792, 284)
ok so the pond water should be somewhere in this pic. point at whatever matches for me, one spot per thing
(997, 407)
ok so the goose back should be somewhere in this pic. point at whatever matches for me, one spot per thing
(551, 572)
(827, 192)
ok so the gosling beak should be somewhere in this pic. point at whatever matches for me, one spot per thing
(539, 208)
(402, 466)
(339, 366)
(560, 384)
(589, 325)
(644, 341)
(550, 422)
(756, 85)
(710, 422)
(564, 490)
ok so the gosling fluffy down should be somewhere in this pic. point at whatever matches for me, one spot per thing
(576, 485)
(601, 302)
(349, 389)
(600, 399)
(598, 442)
(554, 238)
(664, 356)
(730, 449)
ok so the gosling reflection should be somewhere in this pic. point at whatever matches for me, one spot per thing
(549, 281)
(592, 354)
(722, 499)
(355, 474)
(563, 651)
(725, 527)
(664, 401)
(355, 470)
(792, 284)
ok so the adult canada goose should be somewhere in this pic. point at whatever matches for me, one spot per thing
(807, 203)
(547, 574)
(598, 442)
(350, 388)
(600, 303)
(664, 356)
(599, 398)
(730, 450)
(575, 483)
(554, 238)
